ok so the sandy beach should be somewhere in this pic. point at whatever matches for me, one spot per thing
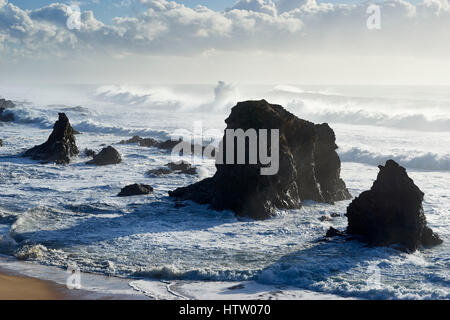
(14, 287)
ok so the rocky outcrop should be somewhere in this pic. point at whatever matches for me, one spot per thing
(167, 145)
(309, 167)
(1, 143)
(332, 232)
(180, 167)
(60, 146)
(4, 105)
(107, 156)
(135, 190)
(391, 212)
(90, 153)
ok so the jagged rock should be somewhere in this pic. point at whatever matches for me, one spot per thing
(135, 190)
(309, 167)
(60, 146)
(1, 143)
(90, 153)
(143, 142)
(391, 212)
(335, 215)
(167, 145)
(181, 167)
(107, 156)
(6, 116)
(332, 232)
(159, 172)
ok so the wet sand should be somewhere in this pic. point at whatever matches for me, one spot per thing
(22, 288)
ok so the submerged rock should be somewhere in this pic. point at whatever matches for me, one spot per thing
(391, 212)
(169, 145)
(332, 232)
(4, 105)
(107, 156)
(135, 190)
(181, 167)
(143, 142)
(90, 153)
(60, 146)
(309, 167)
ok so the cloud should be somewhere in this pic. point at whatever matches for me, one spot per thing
(169, 28)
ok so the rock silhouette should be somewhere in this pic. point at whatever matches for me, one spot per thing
(181, 167)
(107, 156)
(4, 105)
(309, 167)
(135, 190)
(60, 146)
(168, 145)
(391, 212)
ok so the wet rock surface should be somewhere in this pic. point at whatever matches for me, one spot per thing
(135, 190)
(181, 167)
(391, 212)
(60, 146)
(309, 167)
(107, 156)
(5, 116)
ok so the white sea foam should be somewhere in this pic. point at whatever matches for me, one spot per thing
(412, 159)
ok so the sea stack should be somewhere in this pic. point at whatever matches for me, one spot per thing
(309, 167)
(391, 212)
(60, 146)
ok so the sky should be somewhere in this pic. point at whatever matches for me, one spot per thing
(238, 41)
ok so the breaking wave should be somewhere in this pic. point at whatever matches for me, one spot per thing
(416, 160)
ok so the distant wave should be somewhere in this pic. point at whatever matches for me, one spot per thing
(150, 97)
(97, 127)
(363, 117)
(423, 161)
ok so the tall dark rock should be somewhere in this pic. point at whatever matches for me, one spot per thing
(391, 212)
(4, 105)
(60, 146)
(309, 167)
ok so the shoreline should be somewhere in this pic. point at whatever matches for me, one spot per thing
(21, 280)
(19, 287)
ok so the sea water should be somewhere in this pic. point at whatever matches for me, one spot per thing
(58, 216)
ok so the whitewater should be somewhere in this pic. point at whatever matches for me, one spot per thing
(52, 217)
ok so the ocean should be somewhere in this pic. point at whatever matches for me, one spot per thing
(52, 217)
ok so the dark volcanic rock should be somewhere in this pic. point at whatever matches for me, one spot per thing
(60, 146)
(309, 167)
(332, 232)
(135, 190)
(1, 143)
(107, 156)
(4, 105)
(391, 212)
(181, 167)
(168, 145)
(159, 172)
(90, 153)
(143, 142)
